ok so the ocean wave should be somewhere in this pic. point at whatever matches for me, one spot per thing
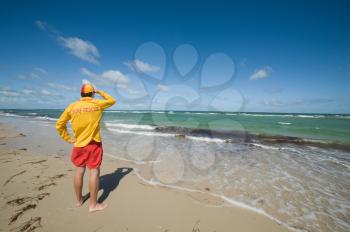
(267, 147)
(130, 126)
(310, 116)
(268, 115)
(140, 112)
(162, 134)
(207, 139)
(146, 133)
(337, 161)
(138, 162)
(286, 115)
(284, 123)
(198, 113)
(117, 111)
(343, 116)
(12, 115)
(29, 115)
(234, 114)
(46, 118)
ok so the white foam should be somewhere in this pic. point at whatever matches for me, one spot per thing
(285, 123)
(130, 126)
(160, 134)
(138, 162)
(12, 115)
(206, 139)
(268, 115)
(342, 116)
(284, 115)
(265, 146)
(147, 133)
(310, 116)
(45, 118)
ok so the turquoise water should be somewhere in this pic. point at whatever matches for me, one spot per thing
(324, 127)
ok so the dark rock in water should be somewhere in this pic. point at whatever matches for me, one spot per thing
(261, 201)
(180, 136)
(23, 149)
(228, 141)
(21, 134)
(207, 189)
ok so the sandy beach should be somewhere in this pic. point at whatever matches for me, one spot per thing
(37, 195)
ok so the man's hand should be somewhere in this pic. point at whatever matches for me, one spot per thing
(97, 91)
(71, 141)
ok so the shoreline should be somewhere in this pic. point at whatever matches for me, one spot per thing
(214, 135)
(133, 205)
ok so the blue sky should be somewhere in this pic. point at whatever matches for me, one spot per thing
(262, 56)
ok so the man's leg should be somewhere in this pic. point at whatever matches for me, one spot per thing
(78, 184)
(94, 187)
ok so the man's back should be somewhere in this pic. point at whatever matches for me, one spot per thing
(85, 116)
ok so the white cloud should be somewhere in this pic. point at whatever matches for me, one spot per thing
(61, 86)
(109, 76)
(41, 25)
(26, 97)
(22, 77)
(45, 92)
(261, 73)
(142, 67)
(9, 93)
(115, 76)
(162, 88)
(40, 70)
(78, 47)
(82, 49)
(30, 76)
(27, 91)
(88, 73)
(36, 73)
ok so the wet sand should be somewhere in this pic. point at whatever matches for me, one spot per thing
(37, 195)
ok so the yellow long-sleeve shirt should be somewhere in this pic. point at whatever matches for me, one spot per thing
(85, 116)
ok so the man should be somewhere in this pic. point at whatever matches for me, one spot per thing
(85, 116)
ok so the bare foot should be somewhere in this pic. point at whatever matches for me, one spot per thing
(80, 203)
(97, 207)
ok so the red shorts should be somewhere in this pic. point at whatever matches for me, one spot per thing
(90, 155)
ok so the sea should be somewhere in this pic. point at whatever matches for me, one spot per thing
(291, 167)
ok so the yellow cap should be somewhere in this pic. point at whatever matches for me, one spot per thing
(87, 88)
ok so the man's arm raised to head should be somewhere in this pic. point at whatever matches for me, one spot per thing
(108, 100)
(61, 125)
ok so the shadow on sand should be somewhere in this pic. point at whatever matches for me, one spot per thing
(109, 183)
